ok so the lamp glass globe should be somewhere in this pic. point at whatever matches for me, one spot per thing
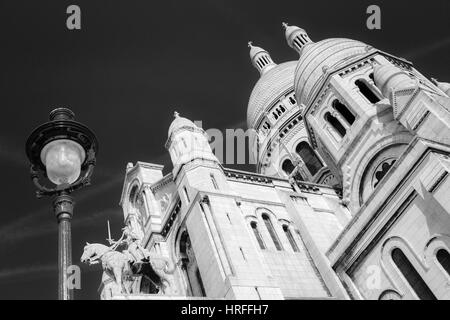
(62, 159)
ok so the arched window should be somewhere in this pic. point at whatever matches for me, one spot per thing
(443, 257)
(266, 125)
(390, 295)
(344, 111)
(310, 158)
(292, 100)
(272, 232)
(298, 43)
(190, 268)
(186, 194)
(298, 176)
(381, 171)
(184, 142)
(287, 166)
(140, 206)
(366, 91)
(133, 193)
(337, 126)
(411, 275)
(258, 237)
(291, 239)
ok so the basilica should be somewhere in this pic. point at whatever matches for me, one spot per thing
(350, 198)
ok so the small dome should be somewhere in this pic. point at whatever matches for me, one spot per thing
(317, 58)
(273, 83)
(260, 58)
(290, 30)
(180, 122)
(388, 77)
(296, 37)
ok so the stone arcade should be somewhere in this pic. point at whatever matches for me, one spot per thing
(350, 199)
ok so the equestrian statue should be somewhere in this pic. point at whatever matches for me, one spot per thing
(122, 268)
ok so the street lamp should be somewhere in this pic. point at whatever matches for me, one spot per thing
(63, 151)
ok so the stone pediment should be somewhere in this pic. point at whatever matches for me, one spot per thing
(401, 99)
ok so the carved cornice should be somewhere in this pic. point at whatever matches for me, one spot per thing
(164, 181)
(248, 177)
(171, 218)
(399, 62)
(307, 187)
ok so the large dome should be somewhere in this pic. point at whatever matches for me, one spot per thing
(316, 58)
(272, 83)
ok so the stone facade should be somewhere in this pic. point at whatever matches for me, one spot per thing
(351, 199)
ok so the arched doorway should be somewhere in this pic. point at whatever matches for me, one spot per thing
(190, 268)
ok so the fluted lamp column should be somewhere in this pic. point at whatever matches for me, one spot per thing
(63, 152)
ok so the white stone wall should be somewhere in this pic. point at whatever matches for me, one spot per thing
(416, 220)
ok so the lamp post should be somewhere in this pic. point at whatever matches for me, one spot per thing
(62, 151)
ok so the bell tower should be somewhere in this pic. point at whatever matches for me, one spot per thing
(213, 243)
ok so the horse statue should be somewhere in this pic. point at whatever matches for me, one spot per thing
(134, 261)
(114, 263)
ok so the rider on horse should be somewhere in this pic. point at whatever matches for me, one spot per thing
(135, 251)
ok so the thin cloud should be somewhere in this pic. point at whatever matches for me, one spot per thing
(12, 154)
(12, 274)
(21, 231)
(30, 225)
(426, 50)
(36, 223)
(33, 271)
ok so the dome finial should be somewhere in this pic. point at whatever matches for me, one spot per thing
(260, 58)
(296, 37)
(176, 114)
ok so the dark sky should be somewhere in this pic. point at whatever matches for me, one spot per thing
(134, 63)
